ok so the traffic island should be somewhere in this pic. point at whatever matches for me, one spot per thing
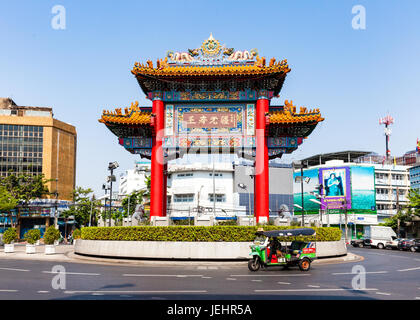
(191, 242)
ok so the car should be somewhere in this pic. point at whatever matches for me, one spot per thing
(357, 243)
(409, 244)
(393, 244)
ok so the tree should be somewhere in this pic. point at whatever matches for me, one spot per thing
(84, 207)
(25, 187)
(414, 202)
(7, 201)
(405, 215)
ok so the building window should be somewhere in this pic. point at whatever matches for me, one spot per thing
(219, 197)
(21, 153)
(182, 175)
(188, 197)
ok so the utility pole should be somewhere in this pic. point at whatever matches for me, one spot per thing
(398, 211)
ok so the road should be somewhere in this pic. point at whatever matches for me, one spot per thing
(389, 275)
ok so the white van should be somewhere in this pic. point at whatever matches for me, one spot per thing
(377, 236)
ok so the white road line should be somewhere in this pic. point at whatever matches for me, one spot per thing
(402, 270)
(283, 282)
(371, 272)
(270, 275)
(207, 277)
(312, 290)
(256, 280)
(230, 279)
(162, 275)
(417, 298)
(43, 291)
(8, 290)
(73, 273)
(383, 293)
(310, 286)
(12, 269)
(97, 294)
(133, 292)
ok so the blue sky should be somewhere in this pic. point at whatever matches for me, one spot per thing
(353, 76)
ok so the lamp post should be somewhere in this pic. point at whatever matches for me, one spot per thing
(244, 187)
(296, 165)
(111, 167)
(198, 200)
(56, 205)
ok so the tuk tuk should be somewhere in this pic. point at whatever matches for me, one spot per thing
(299, 253)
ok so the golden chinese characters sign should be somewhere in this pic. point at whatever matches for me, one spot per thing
(210, 120)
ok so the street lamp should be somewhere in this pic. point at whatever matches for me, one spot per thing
(198, 201)
(320, 210)
(296, 165)
(111, 178)
(244, 187)
(56, 205)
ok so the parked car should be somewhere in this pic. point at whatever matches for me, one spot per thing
(377, 236)
(357, 243)
(409, 244)
(393, 244)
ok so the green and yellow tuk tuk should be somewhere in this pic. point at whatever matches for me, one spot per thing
(298, 253)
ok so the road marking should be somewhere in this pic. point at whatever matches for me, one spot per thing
(230, 279)
(417, 298)
(74, 273)
(371, 272)
(162, 275)
(7, 290)
(207, 277)
(313, 290)
(97, 294)
(383, 293)
(43, 291)
(283, 282)
(256, 280)
(270, 275)
(402, 270)
(12, 269)
(133, 292)
(310, 286)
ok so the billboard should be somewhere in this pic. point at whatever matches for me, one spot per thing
(344, 187)
(336, 187)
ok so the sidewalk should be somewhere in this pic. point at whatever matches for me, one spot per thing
(65, 253)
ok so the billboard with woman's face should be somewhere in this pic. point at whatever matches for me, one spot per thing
(336, 187)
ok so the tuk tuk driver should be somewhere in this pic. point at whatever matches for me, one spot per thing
(275, 246)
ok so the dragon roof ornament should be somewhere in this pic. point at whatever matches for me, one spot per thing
(211, 52)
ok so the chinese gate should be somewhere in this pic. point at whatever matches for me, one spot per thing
(208, 100)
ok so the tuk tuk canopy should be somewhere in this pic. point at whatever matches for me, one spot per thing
(287, 233)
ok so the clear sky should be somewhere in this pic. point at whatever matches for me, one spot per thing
(353, 76)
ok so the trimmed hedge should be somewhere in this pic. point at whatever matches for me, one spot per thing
(193, 233)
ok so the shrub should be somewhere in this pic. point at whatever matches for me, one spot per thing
(10, 235)
(227, 223)
(77, 234)
(51, 235)
(197, 233)
(32, 236)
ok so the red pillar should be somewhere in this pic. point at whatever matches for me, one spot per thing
(261, 191)
(156, 184)
(165, 188)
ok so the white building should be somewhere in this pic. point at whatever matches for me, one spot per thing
(193, 188)
(134, 179)
(391, 181)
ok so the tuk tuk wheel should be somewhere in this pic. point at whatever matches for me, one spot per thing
(304, 264)
(254, 264)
